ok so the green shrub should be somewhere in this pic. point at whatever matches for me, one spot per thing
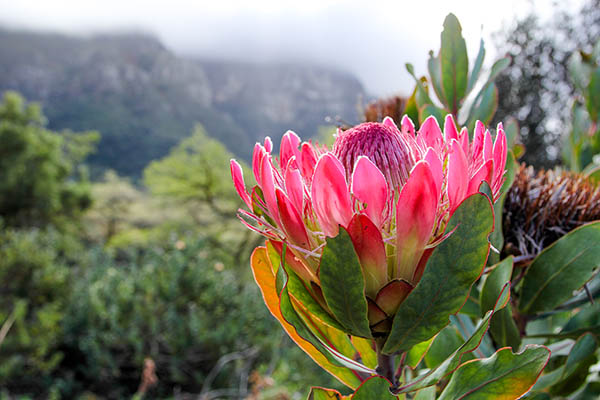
(37, 167)
(35, 287)
(181, 307)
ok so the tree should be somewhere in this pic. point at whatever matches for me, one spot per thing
(38, 167)
(536, 88)
(195, 176)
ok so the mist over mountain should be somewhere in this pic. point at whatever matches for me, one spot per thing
(144, 99)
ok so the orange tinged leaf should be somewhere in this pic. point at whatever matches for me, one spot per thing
(265, 279)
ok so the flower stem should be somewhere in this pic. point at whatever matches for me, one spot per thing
(385, 365)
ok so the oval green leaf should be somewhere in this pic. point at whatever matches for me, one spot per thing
(451, 270)
(451, 363)
(563, 267)
(593, 95)
(435, 73)
(454, 63)
(503, 375)
(476, 67)
(319, 393)
(585, 346)
(576, 369)
(374, 388)
(485, 106)
(343, 284)
(503, 327)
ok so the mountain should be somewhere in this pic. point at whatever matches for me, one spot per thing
(144, 99)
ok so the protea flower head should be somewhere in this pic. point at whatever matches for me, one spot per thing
(541, 207)
(392, 189)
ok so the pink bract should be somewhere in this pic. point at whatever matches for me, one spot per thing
(392, 189)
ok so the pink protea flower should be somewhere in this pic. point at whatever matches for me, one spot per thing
(391, 189)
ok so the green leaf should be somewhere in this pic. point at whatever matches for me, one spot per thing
(499, 66)
(505, 373)
(444, 344)
(548, 379)
(591, 391)
(467, 328)
(425, 394)
(454, 63)
(588, 318)
(579, 71)
(511, 129)
(292, 317)
(576, 368)
(564, 266)
(537, 396)
(594, 174)
(451, 363)
(300, 293)
(417, 353)
(476, 67)
(593, 95)
(580, 123)
(451, 270)
(585, 346)
(364, 348)
(570, 376)
(471, 307)
(485, 106)
(574, 145)
(263, 271)
(503, 328)
(435, 73)
(374, 388)
(319, 393)
(582, 297)
(428, 110)
(485, 188)
(596, 50)
(343, 284)
(421, 92)
(411, 109)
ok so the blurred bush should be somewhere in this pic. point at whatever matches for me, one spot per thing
(38, 168)
(35, 286)
(179, 306)
(195, 180)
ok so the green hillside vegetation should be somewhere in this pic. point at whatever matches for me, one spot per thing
(144, 99)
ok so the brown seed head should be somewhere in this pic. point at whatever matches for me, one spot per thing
(391, 107)
(540, 208)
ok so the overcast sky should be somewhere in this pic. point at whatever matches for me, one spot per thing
(372, 39)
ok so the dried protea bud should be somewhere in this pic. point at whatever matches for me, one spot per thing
(540, 208)
(391, 107)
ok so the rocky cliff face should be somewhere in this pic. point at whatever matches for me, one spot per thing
(144, 99)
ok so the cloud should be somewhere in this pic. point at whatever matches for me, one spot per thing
(373, 42)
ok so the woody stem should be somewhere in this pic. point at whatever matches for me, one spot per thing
(385, 365)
